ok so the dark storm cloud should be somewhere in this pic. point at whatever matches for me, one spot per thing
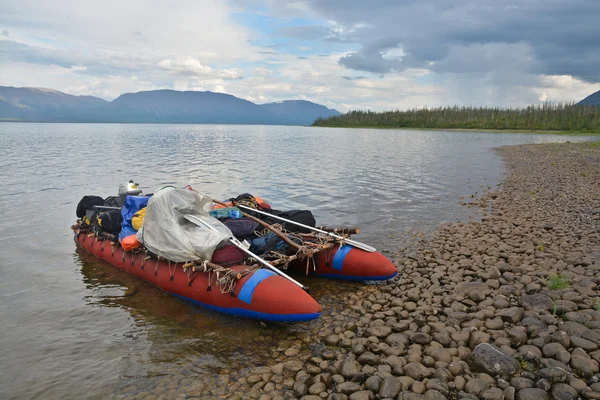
(37, 55)
(556, 37)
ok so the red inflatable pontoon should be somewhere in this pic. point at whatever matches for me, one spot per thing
(261, 294)
(349, 263)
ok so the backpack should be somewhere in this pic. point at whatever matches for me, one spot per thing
(87, 203)
(304, 217)
(110, 221)
(114, 201)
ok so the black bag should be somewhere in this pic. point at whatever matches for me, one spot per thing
(88, 203)
(110, 221)
(113, 201)
(302, 216)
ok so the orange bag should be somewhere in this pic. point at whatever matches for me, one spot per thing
(130, 243)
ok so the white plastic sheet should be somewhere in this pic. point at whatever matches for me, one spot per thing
(167, 233)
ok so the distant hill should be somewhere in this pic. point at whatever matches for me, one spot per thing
(38, 104)
(299, 112)
(156, 106)
(592, 100)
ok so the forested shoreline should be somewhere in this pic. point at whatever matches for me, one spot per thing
(546, 117)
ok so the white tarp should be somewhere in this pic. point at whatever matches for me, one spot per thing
(167, 233)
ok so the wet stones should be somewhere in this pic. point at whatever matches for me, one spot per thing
(492, 361)
(350, 368)
(536, 302)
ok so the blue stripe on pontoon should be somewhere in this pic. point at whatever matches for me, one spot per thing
(357, 278)
(247, 290)
(242, 312)
(338, 258)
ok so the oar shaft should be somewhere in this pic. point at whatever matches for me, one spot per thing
(312, 228)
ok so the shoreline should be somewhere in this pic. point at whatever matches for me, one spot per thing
(473, 314)
(523, 131)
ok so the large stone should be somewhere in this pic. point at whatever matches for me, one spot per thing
(373, 383)
(348, 387)
(511, 315)
(491, 360)
(586, 366)
(368, 358)
(350, 368)
(536, 302)
(572, 328)
(532, 394)
(562, 391)
(416, 371)
(390, 387)
(585, 344)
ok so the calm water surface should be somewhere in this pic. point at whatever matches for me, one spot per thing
(74, 327)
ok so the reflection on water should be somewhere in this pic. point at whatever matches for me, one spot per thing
(184, 338)
(75, 327)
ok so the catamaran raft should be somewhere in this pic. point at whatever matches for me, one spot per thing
(227, 256)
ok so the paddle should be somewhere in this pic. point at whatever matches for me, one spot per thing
(195, 220)
(354, 243)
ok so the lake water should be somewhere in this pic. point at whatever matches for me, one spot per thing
(74, 327)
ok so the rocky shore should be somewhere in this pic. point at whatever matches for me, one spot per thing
(503, 308)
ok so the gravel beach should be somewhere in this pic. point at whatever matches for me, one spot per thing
(507, 307)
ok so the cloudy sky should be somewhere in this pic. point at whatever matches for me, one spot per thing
(346, 54)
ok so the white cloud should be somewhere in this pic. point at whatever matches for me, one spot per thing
(189, 66)
(148, 27)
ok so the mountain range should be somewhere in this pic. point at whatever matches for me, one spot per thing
(156, 106)
(592, 100)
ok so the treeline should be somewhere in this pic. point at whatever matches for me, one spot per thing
(545, 117)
